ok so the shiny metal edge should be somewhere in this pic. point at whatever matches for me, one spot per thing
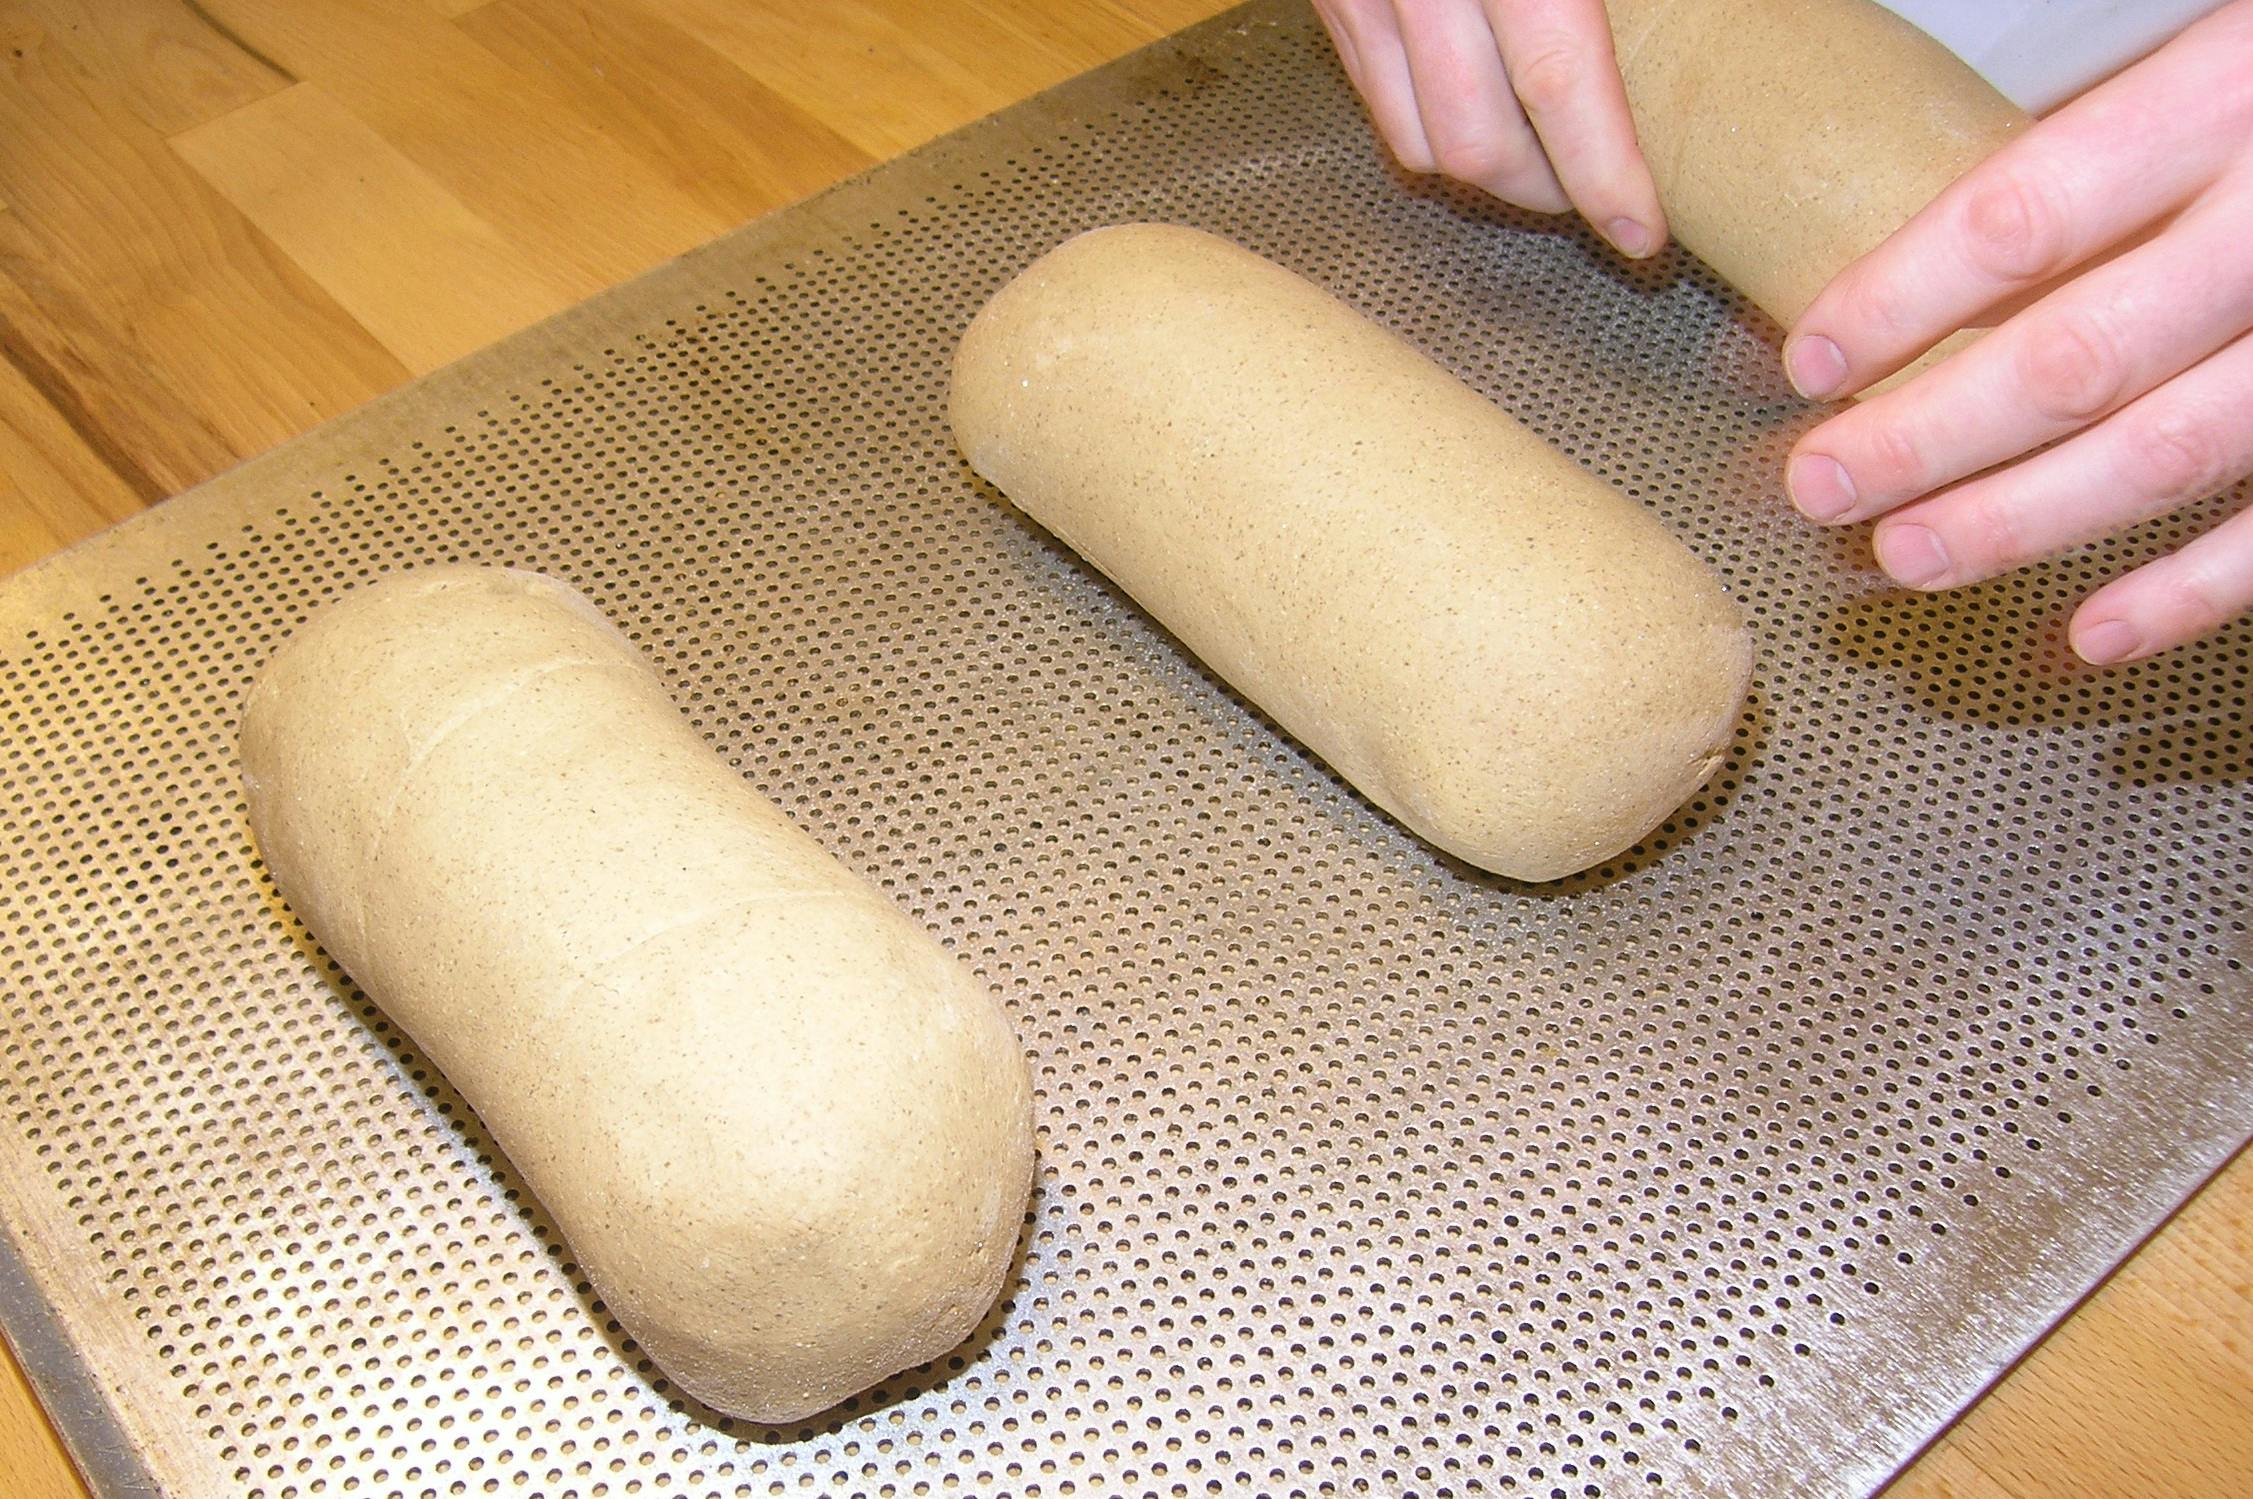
(108, 1459)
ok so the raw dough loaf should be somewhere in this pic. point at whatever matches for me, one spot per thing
(787, 1137)
(1509, 656)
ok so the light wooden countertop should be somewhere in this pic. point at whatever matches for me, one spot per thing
(222, 221)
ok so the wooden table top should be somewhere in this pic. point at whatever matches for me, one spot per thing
(223, 221)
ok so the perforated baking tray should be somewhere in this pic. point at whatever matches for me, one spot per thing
(1735, 1166)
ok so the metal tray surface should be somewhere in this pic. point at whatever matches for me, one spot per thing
(1736, 1166)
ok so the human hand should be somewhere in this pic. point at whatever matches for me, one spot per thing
(2128, 217)
(1519, 97)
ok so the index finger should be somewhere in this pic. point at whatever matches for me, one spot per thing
(1559, 56)
(2105, 166)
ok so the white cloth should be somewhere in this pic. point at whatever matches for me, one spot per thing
(2042, 52)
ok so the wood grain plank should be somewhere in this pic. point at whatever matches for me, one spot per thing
(31, 1455)
(1060, 36)
(1948, 1472)
(163, 58)
(718, 135)
(2146, 1391)
(512, 146)
(54, 489)
(351, 209)
(172, 335)
(889, 76)
(1164, 17)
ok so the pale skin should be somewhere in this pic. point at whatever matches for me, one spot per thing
(2116, 233)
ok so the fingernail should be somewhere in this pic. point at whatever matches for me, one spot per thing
(2108, 641)
(1632, 238)
(1815, 366)
(1914, 555)
(1819, 486)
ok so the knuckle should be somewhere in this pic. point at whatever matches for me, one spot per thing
(1896, 463)
(2073, 368)
(1411, 151)
(2017, 228)
(1355, 21)
(2177, 456)
(1989, 535)
(1488, 159)
(2236, 90)
(1876, 308)
(1472, 158)
(2234, 86)
(2190, 595)
(1549, 78)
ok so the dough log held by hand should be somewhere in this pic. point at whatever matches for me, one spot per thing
(1789, 139)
